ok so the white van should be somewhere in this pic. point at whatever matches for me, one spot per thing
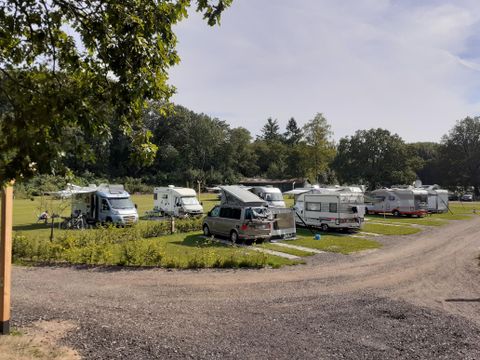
(104, 204)
(272, 195)
(176, 201)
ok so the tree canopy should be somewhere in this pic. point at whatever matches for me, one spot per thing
(460, 153)
(375, 158)
(83, 67)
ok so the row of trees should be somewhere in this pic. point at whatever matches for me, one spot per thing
(97, 102)
(197, 148)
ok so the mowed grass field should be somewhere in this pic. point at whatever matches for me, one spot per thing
(188, 250)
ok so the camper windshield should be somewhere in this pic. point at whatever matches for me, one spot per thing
(120, 203)
(190, 200)
(273, 197)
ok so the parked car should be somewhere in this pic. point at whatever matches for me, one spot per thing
(239, 223)
(466, 197)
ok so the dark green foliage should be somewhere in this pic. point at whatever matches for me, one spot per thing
(56, 88)
(460, 154)
(373, 157)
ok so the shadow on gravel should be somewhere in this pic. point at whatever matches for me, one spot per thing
(462, 300)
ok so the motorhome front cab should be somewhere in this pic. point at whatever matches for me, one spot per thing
(273, 196)
(398, 201)
(104, 204)
(176, 201)
(331, 209)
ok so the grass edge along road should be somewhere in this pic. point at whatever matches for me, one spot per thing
(189, 250)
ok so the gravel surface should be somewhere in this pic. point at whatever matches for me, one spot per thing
(416, 298)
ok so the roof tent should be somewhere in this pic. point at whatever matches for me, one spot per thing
(237, 195)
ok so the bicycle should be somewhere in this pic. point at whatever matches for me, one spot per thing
(71, 223)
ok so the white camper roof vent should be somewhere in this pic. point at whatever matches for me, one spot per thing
(171, 186)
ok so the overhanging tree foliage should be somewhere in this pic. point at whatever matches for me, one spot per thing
(81, 66)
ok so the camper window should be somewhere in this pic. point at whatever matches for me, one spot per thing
(155, 196)
(230, 213)
(121, 203)
(165, 196)
(190, 200)
(314, 206)
(215, 212)
(105, 206)
(391, 198)
(333, 207)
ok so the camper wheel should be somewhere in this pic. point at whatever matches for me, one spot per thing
(206, 230)
(324, 227)
(396, 213)
(234, 237)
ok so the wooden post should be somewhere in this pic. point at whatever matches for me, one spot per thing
(6, 258)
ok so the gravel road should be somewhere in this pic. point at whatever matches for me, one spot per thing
(416, 298)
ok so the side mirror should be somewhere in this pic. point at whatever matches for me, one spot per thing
(201, 203)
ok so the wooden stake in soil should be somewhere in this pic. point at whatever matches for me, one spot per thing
(6, 258)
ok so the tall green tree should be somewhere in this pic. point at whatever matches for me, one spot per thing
(426, 156)
(271, 131)
(51, 81)
(375, 158)
(293, 134)
(460, 154)
(320, 148)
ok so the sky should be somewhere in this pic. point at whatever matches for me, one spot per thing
(412, 67)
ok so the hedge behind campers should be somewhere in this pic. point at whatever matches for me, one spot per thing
(104, 204)
(338, 208)
(240, 216)
(176, 201)
(272, 195)
(398, 201)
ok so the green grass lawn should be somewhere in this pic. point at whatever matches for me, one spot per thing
(425, 221)
(187, 250)
(335, 243)
(389, 229)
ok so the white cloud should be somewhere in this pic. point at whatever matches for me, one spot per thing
(362, 63)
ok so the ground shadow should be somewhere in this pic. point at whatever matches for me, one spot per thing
(35, 226)
(463, 300)
(197, 241)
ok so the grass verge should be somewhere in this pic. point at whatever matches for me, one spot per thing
(390, 230)
(337, 244)
(123, 247)
(286, 250)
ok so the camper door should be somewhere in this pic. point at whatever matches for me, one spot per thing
(103, 209)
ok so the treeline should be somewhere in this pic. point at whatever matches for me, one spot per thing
(194, 148)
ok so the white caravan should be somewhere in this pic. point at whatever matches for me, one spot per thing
(272, 195)
(336, 208)
(398, 201)
(437, 198)
(176, 201)
(104, 204)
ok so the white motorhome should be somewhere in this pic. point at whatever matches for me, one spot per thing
(437, 198)
(336, 208)
(176, 201)
(272, 195)
(104, 204)
(398, 201)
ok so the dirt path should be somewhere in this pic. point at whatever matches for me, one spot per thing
(417, 297)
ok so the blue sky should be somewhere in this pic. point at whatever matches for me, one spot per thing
(412, 67)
